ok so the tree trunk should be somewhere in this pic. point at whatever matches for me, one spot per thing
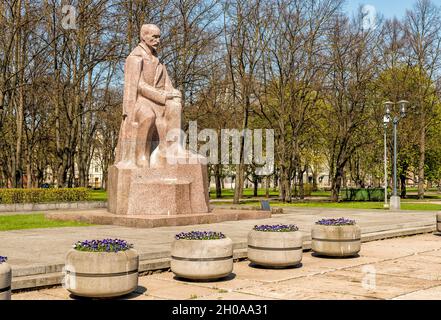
(104, 179)
(314, 180)
(288, 188)
(336, 184)
(217, 178)
(282, 185)
(267, 186)
(238, 186)
(62, 171)
(20, 56)
(29, 167)
(421, 160)
(255, 184)
(71, 178)
(301, 186)
(403, 186)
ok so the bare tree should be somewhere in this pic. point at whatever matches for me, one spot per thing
(353, 55)
(423, 40)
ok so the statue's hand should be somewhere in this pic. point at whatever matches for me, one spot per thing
(177, 93)
(173, 94)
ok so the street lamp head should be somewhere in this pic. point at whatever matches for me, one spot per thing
(402, 105)
(387, 107)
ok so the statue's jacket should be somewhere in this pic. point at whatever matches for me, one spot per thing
(146, 77)
(146, 85)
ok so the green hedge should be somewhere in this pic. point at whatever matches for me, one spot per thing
(10, 196)
(370, 194)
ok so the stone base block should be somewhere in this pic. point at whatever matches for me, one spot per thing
(176, 189)
(395, 203)
(174, 195)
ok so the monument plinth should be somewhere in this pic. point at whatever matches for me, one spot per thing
(154, 174)
(177, 189)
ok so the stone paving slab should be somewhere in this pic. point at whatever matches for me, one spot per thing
(317, 278)
(42, 251)
(433, 293)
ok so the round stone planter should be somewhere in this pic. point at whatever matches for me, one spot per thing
(101, 274)
(202, 259)
(5, 281)
(275, 249)
(336, 241)
(438, 222)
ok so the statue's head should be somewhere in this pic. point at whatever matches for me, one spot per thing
(150, 35)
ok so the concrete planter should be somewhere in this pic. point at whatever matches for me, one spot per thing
(101, 274)
(202, 259)
(336, 241)
(275, 249)
(438, 222)
(5, 281)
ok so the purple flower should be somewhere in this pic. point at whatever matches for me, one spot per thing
(200, 235)
(106, 245)
(336, 222)
(3, 259)
(276, 228)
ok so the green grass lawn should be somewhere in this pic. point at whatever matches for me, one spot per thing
(321, 193)
(97, 195)
(427, 197)
(427, 190)
(346, 205)
(34, 221)
(247, 193)
(101, 195)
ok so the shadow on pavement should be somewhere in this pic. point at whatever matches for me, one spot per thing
(257, 266)
(316, 255)
(230, 277)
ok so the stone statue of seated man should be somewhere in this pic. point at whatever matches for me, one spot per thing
(152, 174)
(151, 106)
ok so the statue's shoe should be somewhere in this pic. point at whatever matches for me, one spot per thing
(158, 159)
(143, 162)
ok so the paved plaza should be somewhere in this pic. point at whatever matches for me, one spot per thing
(37, 255)
(399, 268)
(26, 248)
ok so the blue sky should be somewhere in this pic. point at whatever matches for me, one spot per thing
(388, 8)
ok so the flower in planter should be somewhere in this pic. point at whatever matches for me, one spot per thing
(3, 259)
(106, 245)
(200, 235)
(276, 228)
(336, 222)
